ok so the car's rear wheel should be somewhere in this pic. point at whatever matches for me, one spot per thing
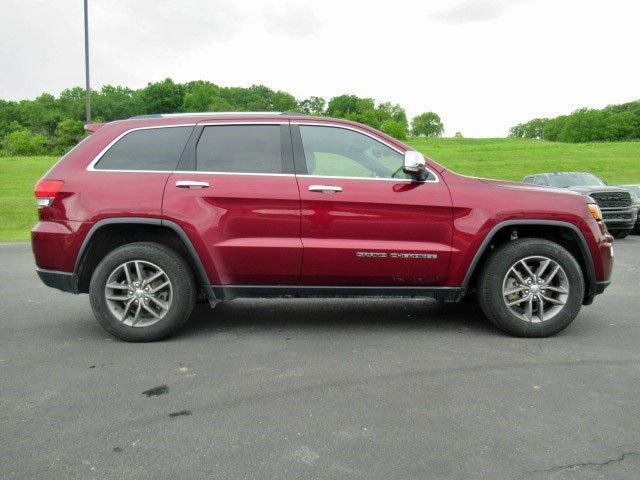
(142, 292)
(531, 288)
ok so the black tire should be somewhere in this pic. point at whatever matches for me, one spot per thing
(620, 234)
(490, 287)
(182, 283)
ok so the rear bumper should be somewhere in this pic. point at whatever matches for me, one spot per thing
(65, 281)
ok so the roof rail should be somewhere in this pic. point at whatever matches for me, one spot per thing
(200, 114)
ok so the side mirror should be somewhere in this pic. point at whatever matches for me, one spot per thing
(415, 165)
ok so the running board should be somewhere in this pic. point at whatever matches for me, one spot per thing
(221, 293)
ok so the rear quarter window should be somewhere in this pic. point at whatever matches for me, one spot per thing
(146, 149)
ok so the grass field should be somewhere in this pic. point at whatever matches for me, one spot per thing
(18, 212)
(509, 159)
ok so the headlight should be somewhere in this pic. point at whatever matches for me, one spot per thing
(595, 210)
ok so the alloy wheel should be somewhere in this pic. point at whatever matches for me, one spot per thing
(535, 289)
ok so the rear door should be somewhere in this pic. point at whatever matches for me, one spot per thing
(236, 196)
(364, 221)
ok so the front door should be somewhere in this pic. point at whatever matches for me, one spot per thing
(364, 221)
(236, 197)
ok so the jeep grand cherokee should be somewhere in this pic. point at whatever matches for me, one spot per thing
(147, 215)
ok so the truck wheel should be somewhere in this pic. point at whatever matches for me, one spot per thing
(142, 292)
(620, 234)
(531, 288)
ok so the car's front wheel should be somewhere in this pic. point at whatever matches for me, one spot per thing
(142, 292)
(531, 288)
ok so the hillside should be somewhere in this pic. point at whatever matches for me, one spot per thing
(505, 158)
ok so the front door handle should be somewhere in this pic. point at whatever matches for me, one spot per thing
(325, 188)
(191, 184)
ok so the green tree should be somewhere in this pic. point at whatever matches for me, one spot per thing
(23, 142)
(162, 97)
(200, 97)
(68, 133)
(427, 124)
(394, 128)
(312, 106)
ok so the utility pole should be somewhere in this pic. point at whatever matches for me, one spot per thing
(86, 64)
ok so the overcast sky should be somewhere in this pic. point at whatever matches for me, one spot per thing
(483, 65)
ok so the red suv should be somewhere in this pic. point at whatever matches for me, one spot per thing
(151, 214)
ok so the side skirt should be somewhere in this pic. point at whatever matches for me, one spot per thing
(221, 293)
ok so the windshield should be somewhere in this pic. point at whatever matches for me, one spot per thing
(565, 180)
(634, 189)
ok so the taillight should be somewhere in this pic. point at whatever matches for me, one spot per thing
(46, 191)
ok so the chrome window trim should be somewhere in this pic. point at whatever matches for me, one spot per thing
(358, 130)
(91, 166)
(202, 114)
(395, 180)
(202, 172)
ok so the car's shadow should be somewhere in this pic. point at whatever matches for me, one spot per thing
(337, 314)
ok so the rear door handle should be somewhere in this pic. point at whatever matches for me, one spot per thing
(191, 184)
(325, 188)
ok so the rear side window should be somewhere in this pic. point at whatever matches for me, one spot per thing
(146, 149)
(240, 149)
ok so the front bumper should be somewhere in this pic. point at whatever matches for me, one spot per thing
(620, 219)
(65, 281)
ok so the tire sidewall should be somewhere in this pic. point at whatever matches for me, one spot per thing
(492, 280)
(182, 283)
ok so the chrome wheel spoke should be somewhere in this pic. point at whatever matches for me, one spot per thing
(557, 289)
(151, 311)
(543, 266)
(516, 302)
(528, 309)
(119, 298)
(136, 317)
(126, 310)
(127, 273)
(541, 309)
(514, 290)
(159, 287)
(118, 286)
(139, 272)
(160, 303)
(518, 275)
(555, 301)
(552, 275)
(153, 277)
(527, 269)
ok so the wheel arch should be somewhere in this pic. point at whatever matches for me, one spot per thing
(110, 233)
(555, 230)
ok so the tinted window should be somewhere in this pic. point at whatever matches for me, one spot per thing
(240, 148)
(338, 152)
(148, 149)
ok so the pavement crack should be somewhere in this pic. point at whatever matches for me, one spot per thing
(572, 466)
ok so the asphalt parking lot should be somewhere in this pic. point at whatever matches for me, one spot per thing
(403, 389)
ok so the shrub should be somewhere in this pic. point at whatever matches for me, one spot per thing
(23, 142)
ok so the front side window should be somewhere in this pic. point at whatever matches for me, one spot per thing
(146, 149)
(240, 149)
(338, 152)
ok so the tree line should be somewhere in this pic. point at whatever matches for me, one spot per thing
(612, 123)
(52, 125)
